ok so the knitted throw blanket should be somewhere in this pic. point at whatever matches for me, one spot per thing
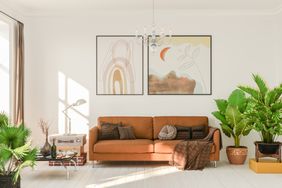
(193, 155)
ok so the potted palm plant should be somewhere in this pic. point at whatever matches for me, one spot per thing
(231, 116)
(265, 114)
(16, 152)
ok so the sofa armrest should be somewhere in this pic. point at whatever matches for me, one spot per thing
(93, 138)
(217, 143)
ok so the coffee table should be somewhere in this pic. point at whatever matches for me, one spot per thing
(62, 159)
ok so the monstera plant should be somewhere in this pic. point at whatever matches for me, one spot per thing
(265, 113)
(233, 124)
(15, 152)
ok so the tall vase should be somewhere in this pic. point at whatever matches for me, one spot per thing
(46, 149)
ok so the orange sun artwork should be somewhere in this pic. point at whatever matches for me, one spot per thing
(163, 52)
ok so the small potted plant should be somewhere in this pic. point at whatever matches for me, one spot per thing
(231, 116)
(16, 152)
(265, 114)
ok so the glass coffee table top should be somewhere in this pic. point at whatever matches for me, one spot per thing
(60, 157)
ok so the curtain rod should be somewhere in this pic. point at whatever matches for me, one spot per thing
(10, 17)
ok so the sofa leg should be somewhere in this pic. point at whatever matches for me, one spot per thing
(214, 164)
(93, 164)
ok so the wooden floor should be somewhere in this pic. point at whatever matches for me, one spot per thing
(141, 174)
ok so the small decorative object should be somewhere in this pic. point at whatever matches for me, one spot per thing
(54, 150)
(16, 152)
(119, 67)
(46, 149)
(231, 115)
(181, 65)
(264, 114)
(68, 124)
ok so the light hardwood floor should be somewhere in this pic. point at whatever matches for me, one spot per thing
(147, 175)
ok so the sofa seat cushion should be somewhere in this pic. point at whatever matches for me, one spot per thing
(167, 146)
(124, 146)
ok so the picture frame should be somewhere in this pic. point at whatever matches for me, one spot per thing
(119, 65)
(187, 69)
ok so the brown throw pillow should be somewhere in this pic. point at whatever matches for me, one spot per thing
(183, 133)
(109, 131)
(126, 133)
(199, 132)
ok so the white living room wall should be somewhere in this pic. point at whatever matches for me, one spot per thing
(61, 61)
(278, 47)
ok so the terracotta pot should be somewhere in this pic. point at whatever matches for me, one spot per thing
(237, 156)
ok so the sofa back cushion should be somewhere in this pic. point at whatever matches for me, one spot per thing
(188, 121)
(142, 126)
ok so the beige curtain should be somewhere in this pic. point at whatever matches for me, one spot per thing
(18, 85)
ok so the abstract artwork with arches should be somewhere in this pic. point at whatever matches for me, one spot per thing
(119, 70)
(181, 65)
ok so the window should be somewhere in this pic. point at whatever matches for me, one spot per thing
(5, 67)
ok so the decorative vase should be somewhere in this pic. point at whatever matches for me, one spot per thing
(7, 181)
(46, 149)
(236, 155)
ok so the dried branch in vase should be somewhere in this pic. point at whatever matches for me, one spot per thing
(44, 125)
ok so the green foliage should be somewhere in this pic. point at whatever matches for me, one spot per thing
(3, 120)
(230, 113)
(15, 152)
(264, 111)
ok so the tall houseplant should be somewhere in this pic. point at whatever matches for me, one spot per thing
(231, 116)
(16, 152)
(265, 113)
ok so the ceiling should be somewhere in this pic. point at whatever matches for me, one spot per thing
(50, 6)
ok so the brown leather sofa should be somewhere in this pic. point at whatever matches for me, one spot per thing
(147, 146)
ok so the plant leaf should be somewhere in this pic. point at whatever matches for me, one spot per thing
(238, 98)
(261, 85)
(220, 117)
(221, 105)
(233, 115)
(251, 91)
(227, 130)
(276, 107)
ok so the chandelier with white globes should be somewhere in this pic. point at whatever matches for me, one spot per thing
(156, 35)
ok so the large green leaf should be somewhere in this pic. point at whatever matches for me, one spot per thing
(221, 105)
(233, 115)
(227, 130)
(14, 137)
(251, 91)
(276, 107)
(238, 98)
(4, 121)
(240, 127)
(220, 117)
(261, 85)
(5, 153)
(273, 95)
(20, 152)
